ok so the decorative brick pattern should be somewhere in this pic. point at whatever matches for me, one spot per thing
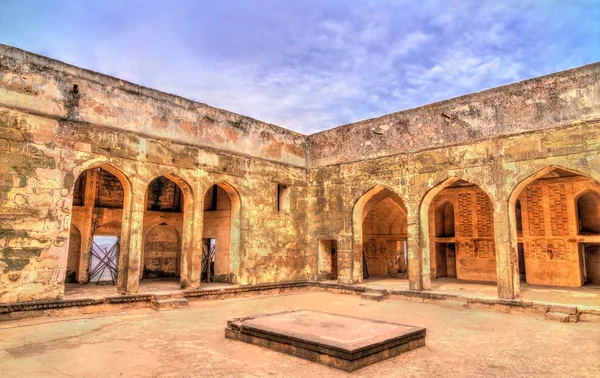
(465, 219)
(478, 248)
(558, 209)
(484, 215)
(555, 249)
(535, 210)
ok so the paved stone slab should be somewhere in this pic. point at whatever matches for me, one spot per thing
(343, 342)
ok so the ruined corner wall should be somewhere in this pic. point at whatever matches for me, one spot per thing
(42, 86)
(50, 133)
(547, 102)
(495, 139)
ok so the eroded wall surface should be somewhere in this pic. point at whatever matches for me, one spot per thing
(543, 103)
(57, 121)
(52, 131)
(498, 166)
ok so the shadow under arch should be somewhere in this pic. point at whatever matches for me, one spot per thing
(186, 239)
(354, 272)
(74, 252)
(586, 201)
(235, 252)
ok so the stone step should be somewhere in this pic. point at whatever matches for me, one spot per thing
(373, 296)
(168, 295)
(562, 317)
(563, 309)
(169, 303)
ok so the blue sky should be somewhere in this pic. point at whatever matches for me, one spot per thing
(311, 65)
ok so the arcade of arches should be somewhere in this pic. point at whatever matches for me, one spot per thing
(557, 225)
(98, 199)
(102, 180)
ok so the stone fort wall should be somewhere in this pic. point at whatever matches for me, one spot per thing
(56, 121)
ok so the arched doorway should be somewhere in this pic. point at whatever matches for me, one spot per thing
(559, 228)
(163, 227)
(380, 235)
(461, 233)
(220, 234)
(97, 213)
(162, 252)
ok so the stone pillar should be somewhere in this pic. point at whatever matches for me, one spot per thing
(131, 237)
(191, 249)
(87, 231)
(417, 275)
(345, 253)
(506, 252)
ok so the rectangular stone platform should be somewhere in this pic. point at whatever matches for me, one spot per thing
(339, 341)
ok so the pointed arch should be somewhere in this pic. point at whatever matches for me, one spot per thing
(183, 208)
(552, 240)
(87, 229)
(352, 270)
(587, 205)
(470, 254)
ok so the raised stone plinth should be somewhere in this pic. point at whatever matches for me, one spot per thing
(343, 342)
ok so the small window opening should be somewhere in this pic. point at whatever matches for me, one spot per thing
(283, 197)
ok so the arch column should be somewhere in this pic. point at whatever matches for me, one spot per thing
(418, 274)
(191, 253)
(507, 266)
(131, 242)
(345, 253)
(87, 233)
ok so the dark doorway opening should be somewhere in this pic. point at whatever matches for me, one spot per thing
(521, 258)
(445, 260)
(590, 261)
(209, 249)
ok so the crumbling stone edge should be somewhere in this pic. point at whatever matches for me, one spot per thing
(569, 313)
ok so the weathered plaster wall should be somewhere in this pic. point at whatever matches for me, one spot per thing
(56, 121)
(556, 100)
(500, 167)
(42, 86)
(162, 249)
(49, 135)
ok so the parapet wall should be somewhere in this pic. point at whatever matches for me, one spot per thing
(561, 99)
(46, 87)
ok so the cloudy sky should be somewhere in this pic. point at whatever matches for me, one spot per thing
(310, 65)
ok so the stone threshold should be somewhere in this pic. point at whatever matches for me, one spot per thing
(575, 313)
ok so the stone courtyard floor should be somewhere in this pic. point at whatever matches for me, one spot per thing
(190, 342)
(588, 295)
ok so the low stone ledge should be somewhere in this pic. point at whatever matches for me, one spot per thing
(227, 292)
(425, 295)
(46, 305)
(129, 298)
